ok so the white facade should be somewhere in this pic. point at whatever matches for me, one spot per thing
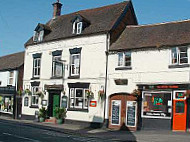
(92, 70)
(148, 66)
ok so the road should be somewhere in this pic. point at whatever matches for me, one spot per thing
(11, 132)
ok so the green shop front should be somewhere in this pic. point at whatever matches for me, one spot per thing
(7, 101)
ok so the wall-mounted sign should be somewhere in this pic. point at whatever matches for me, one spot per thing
(93, 103)
(164, 86)
(8, 90)
(131, 112)
(64, 102)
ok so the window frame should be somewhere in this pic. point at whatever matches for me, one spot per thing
(55, 63)
(35, 96)
(178, 58)
(74, 97)
(122, 59)
(73, 64)
(37, 66)
(77, 27)
(11, 78)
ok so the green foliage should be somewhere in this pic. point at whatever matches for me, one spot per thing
(43, 112)
(60, 113)
(27, 91)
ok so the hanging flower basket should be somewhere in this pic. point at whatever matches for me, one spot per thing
(40, 94)
(27, 91)
(89, 94)
(136, 92)
(101, 94)
(19, 92)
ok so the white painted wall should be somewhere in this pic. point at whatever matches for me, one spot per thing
(92, 70)
(148, 66)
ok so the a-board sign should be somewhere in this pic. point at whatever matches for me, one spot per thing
(116, 104)
(131, 113)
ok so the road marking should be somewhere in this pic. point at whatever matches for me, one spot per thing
(21, 137)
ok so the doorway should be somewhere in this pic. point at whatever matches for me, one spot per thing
(179, 112)
(54, 101)
(188, 114)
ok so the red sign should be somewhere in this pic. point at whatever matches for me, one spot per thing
(167, 87)
(93, 103)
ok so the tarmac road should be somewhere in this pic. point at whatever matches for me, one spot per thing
(10, 132)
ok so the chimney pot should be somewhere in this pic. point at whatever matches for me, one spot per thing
(56, 9)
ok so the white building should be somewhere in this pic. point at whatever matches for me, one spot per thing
(11, 74)
(154, 59)
(67, 59)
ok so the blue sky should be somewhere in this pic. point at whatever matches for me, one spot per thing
(18, 18)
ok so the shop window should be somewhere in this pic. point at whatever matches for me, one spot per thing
(179, 55)
(57, 67)
(26, 101)
(78, 98)
(115, 112)
(6, 104)
(11, 77)
(156, 105)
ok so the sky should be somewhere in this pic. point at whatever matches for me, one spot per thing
(18, 18)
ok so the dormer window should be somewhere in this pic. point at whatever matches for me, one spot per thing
(77, 27)
(40, 31)
(38, 36)
(79, 24)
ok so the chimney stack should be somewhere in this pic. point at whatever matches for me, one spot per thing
(56, 9)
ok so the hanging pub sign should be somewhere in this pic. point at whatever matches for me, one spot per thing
(131, 113)
(64, 102)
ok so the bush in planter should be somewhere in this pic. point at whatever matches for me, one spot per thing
(60, 114)
(42, 114)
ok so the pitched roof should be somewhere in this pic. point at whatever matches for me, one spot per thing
(101, 19)
(11, 61)
(156, 35)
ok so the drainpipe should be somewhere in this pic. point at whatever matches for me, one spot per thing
(106, 78)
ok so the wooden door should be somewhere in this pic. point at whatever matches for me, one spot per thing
(179, 115)
(56, 103)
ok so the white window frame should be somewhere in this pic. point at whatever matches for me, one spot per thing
(76, 72)
(151, 92)
(34, 90)
(40, 36)
(74, 98)
(56, 60)
(77, 27)
(119, 101)
(35, 36)
(178, 55)
(36, 66)
(121, 61)
(11, 77)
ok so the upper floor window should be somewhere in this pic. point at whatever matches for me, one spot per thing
(57, 70)
(75, 61)
(11, 77)
(75, 64)
(124, 59)
(36, 65)
(179, 55)
(77, 27)
(38, 36)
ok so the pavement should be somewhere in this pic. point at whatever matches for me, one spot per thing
(105, 133)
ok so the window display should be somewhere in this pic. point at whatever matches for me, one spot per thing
(6, 104)
(156, 104)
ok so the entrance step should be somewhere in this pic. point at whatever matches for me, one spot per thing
(51, 120)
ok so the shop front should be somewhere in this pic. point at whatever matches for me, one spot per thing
(164, 106)
(7, 97)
